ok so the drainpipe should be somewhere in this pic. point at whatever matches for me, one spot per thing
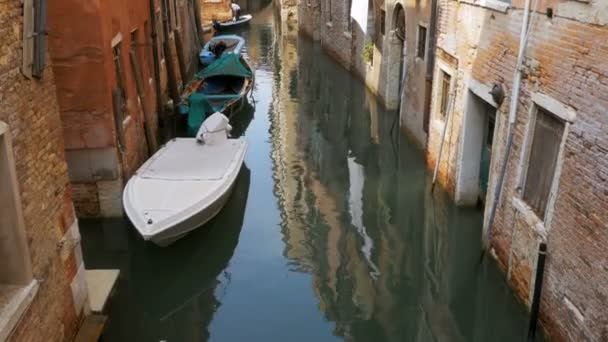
(430, 66)
(523, 42)
(156, 58)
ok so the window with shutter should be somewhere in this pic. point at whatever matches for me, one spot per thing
(544, 151)
(40, 33)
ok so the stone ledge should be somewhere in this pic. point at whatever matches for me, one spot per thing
(100, 284)
(18, 300)
(495, 5)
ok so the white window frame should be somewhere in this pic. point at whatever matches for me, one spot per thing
(442, 66)
(25, 286)
(568, 116)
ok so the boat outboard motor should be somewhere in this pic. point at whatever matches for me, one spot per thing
(214, 130)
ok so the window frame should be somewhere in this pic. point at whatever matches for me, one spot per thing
(563, 113)
(441, 67)
(418, 41)
(23, 286)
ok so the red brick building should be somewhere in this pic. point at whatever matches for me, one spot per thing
(112, 86)
(43, 294)
(555, 188)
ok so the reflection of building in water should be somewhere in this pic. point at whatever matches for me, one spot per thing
(353, 213)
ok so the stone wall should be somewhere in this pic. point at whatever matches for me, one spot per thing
(29, 107)
(328, 22)
(565, 70)
(100, 158)
(219, 10)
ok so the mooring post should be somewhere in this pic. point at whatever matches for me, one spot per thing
(538, 286)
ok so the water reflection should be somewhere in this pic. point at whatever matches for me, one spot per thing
(389, 260)
(167, 293)
(340, 239)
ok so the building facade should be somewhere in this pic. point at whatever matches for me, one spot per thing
(117, 64)
(388, 52)
(43, 295)
(555, 189)
(459, 93)
(219, 10)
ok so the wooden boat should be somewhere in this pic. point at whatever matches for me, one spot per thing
(185, 184)
(224, 25)
(227, 43)
(221, 87)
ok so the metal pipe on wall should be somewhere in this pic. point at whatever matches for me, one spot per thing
(430, 67)
(523, 42)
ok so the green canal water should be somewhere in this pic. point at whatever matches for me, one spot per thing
(331, 232)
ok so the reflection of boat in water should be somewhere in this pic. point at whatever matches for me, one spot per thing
(241, 122)
(190, 271)
(224, 25)
(167, 294)
(221, 86)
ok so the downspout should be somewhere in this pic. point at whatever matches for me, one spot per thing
(155, 57)
(430, 66)
(523, 42)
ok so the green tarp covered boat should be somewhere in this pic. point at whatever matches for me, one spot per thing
(221, 87)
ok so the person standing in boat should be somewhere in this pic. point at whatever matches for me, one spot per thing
(236, 10)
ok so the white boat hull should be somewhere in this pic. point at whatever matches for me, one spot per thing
(183, 186)
(180, 230)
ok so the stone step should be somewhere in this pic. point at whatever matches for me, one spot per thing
(100, 284)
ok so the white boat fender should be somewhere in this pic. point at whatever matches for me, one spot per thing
(214, 130)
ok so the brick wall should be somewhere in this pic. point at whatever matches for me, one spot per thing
(30, 109)
(83, 60)
(566, 61)
(219, 10)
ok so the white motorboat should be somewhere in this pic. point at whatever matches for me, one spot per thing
(186, 183)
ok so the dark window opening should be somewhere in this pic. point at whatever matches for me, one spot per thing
(446, 80)
(421, 42)
(382, 22)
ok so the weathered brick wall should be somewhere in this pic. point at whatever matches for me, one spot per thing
(219, 10)
(566, 60)
(309, 18)
(346, 44)
(30, 109)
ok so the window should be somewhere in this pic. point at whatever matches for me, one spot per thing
(17, 286)
(382, 21)
(547, 135)
(34, 37)
(349, 20)
(446, 80)
(421, 42)
(329, 11)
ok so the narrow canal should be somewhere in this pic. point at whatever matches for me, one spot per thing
(331, 232)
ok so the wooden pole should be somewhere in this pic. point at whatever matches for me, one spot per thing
(156, 58)
(181, 60)
(139, 84)
(173, 92)
(198, 21)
